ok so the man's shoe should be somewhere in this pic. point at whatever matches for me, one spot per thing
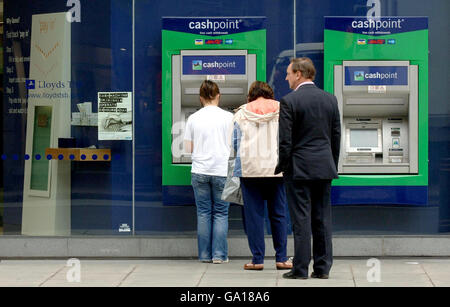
(220, 261)
(320, 276)
(291, 275)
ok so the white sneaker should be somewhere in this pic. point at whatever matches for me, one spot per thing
(220, 261)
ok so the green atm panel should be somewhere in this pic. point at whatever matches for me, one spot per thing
(378, 70)
(192, 40)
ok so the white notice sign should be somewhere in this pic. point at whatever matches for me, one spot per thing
(376, 89)
(216, 78)
(115, 116)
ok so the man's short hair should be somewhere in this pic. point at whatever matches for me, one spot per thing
(305, 66)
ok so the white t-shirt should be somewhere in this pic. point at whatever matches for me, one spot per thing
(208, 129)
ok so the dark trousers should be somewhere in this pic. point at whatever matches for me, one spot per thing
(255, 191)
(310, 210)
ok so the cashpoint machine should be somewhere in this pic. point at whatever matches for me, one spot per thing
(379, 126)
(377, 69)
(230, 51)
(190, 69)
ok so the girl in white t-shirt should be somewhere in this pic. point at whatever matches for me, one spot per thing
(206, 137)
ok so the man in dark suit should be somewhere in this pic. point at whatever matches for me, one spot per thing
(309, 143)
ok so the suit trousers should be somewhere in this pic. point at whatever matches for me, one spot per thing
(310, 211)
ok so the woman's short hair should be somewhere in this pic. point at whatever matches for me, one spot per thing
(305, 66)
(259, 89)
(209, 90)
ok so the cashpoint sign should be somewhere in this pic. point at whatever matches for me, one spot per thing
(376, 26)
(214, 65)
(213, 26)
(376, 75)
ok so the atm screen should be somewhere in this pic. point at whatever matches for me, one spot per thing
(364, 138)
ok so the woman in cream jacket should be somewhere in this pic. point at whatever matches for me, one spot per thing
(255, 146)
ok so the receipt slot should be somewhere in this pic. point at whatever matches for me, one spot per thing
(230, 51)
(378, 103)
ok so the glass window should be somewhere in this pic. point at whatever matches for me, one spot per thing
(67, 118)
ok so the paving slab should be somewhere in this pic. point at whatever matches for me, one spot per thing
(349, 272)
(112, 270)
(90, 277)
(315, 283)
(238, 283)
(80, 284)
(393, 284)
(437, 268)
(160, 284)
(25, 276)
(388, 268)
(437, 282)
(154, 268)
(338, 268)
(250, 276)
(20, 284)
(400, 278)
(166, 279)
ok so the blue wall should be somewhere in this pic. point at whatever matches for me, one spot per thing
(102, 61)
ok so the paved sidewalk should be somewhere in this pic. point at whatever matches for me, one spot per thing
(346, 272)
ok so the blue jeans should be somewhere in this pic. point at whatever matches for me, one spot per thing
(212, 217)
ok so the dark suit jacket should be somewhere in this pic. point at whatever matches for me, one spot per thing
(309, 134)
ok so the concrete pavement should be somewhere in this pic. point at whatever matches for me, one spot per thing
(346, 272)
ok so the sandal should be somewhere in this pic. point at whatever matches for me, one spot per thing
(255, 267)
(287, 265)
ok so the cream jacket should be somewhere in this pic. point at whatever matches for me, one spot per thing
(254, 140)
